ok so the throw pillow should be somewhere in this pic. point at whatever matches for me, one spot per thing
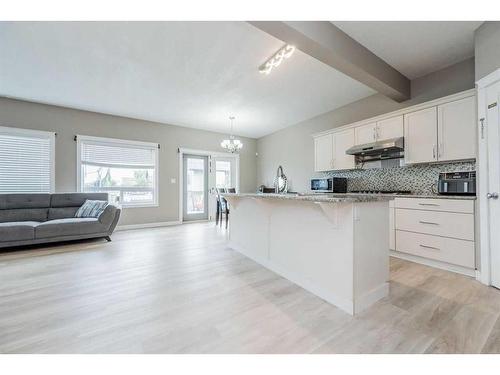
(91, 208)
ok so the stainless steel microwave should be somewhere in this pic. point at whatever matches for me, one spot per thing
(329, 185)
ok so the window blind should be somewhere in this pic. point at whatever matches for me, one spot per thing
(26, 164)
(118, 154)
(126, 170)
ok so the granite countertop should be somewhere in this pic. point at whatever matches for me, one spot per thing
(343, 197)
(326, 197)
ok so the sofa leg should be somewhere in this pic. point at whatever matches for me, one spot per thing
(107, 238)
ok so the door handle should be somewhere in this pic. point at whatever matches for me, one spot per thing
(434, 151)
(492, 195)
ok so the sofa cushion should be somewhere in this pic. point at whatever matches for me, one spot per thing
(31, 200)
(17, 231)
(23, 214)
(75, 199)
(69, 227)
(62, 212)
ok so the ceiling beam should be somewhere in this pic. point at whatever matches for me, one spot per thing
(327, 43)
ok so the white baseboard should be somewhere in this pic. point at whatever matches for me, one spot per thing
(147, 225)
(434, 263)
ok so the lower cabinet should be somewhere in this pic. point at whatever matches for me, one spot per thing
(444, 249)
(440, 230)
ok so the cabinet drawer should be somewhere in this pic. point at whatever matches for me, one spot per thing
(447, 224)
(436, 204)
(444, 249)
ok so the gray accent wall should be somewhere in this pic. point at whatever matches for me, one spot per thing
(69, 122)
(487, 48)
(293, 147)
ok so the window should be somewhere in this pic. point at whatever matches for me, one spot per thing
(126, 170)
(223, 174)
(26, 161)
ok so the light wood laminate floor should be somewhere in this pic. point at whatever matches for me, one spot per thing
(181, 290)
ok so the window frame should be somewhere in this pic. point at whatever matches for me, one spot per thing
(123, 142)
(51, 136)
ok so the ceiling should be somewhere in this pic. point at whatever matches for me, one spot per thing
(192, 74)
(415, 48)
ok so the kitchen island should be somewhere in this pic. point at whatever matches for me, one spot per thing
(333, 245)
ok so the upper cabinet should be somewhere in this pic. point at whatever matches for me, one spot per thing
(421, 136)
(329, 151)
(390, 128)
(379, 130)
(456, 130)
(323, 153)
(442, 133)
(365, 133)
(342, 141)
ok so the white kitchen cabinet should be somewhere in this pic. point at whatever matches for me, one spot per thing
(457, 130)
(323, 153)
(420, 132)
(342, 141)
(436, 229)
(390, 128)
(379, 131)
(365, 133)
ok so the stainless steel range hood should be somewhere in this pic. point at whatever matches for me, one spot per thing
(388, 149)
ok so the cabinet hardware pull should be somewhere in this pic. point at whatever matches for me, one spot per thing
(434, 151)
(430, 247)
(440, 150)
(428, 204)
(428, 222)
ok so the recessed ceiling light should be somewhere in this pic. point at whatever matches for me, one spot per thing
(283, 53)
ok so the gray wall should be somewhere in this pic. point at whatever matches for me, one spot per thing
(487, 48)
(69, 122)
(293, 147)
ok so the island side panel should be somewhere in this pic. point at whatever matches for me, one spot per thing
(249, 228)
(371, 253)
(311, 244)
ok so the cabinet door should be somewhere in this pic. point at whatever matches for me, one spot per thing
(342, 141)
(365, 133)
(457, 130)
(390, 128)
(323, 153)
(420, 130)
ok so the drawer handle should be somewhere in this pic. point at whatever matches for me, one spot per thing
(428, 204)
(428, 222)
(430, 247)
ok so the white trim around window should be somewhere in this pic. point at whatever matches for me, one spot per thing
(25, 170)
(125, 161)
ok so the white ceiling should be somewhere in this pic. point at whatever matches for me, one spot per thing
(415, 48)
(191, 74)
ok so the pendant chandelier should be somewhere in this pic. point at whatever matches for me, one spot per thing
(232, 145)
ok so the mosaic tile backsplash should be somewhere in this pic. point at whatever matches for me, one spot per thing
(419, 179)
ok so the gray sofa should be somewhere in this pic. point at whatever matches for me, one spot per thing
(27, 219)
